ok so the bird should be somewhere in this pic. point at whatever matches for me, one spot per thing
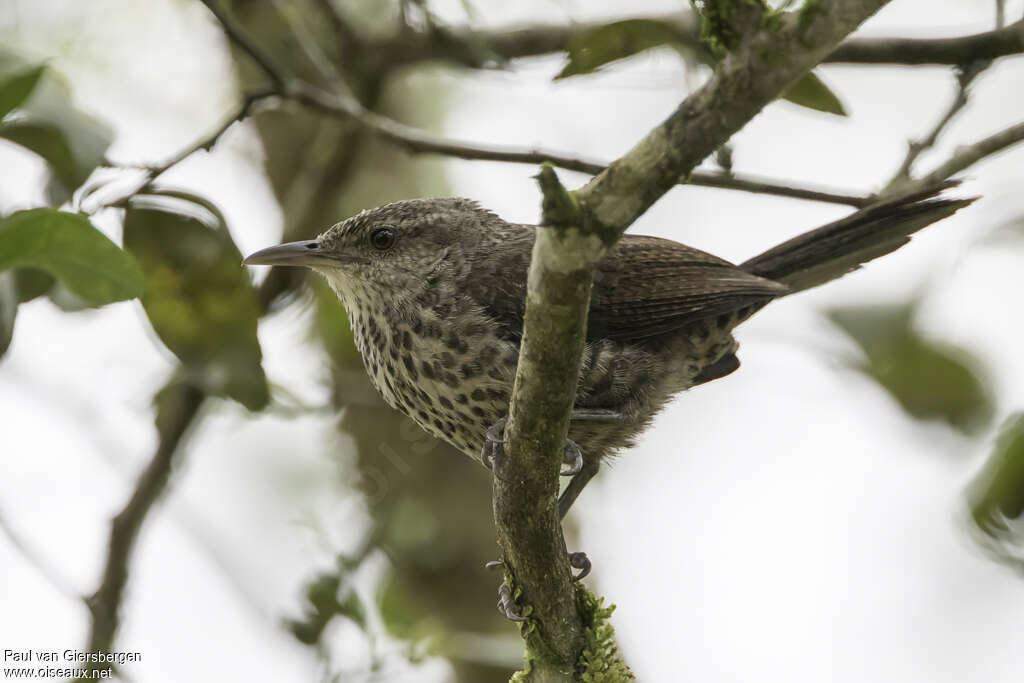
(435, 292)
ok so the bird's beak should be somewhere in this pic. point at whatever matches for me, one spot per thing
(307, 254)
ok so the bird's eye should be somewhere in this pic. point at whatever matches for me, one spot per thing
(382, 238)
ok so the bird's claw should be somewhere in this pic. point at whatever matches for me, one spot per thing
(573, 457)
(579, 560)
(506, 604)
(494, 447)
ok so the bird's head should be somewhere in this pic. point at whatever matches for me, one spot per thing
(392, 251)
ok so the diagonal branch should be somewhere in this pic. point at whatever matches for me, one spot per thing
(207, 142)
(965, 77)
(182, 404)
(417, 141)
(968, 155)
(578, 229)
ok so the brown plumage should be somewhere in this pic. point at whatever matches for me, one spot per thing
(435, 290)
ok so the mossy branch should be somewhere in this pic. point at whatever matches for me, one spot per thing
(577, 229)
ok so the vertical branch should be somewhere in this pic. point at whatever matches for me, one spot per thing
(577, 230)
(526, 483)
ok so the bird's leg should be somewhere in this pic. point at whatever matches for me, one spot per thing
(507, 605)
(494, 450)
(506, 602)
(575, 486)
(581, 471)
(584, 471)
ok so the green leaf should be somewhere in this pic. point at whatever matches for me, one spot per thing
(15, 89)
(618, 40)
(997, 493)
(49, 143)
(200, 301)
(80, 141)
(32, 282)
(68, 247)
(811, 92)
(996, 496)
(8, 309)
(930, 380)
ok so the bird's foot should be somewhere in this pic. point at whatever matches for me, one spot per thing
(493, 450)
(573, 457)
(579, 560)
(507, 604)
(506, 601)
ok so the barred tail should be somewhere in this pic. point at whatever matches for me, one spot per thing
(838, 248)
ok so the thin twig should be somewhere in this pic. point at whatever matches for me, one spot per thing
(207, 142)
(249, 100)
(417, 141)
(969, 155)
(965, 76)
(306, 42)
(183, 405)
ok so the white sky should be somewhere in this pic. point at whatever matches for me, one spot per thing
(785, 524)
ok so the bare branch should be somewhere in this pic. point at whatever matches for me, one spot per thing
(949, 51)
(456, 46)
(968, 155)
(417, 141)
(267, 63)
(965, 77)
(207, 142)
(744, 82)
(183, 404)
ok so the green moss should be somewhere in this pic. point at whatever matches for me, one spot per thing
(600, 661)
(721, 22)
(559, 207)
(806, 14)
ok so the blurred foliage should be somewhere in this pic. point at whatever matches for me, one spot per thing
(44, 250)
(327, 597)
(618, 40)
(16, 88)
(8, 309)
(602, 45)
(68, 247)
(811, 92)
(32, 283)
(199, 300)
(39, 115)
(929, 379)
(430, 504)
(997, 494)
